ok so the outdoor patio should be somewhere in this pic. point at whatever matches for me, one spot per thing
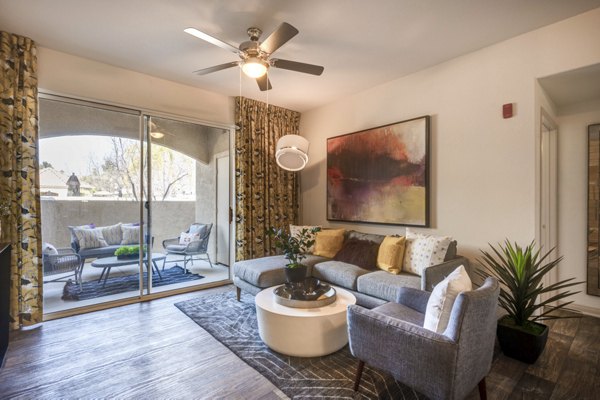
(53, 291)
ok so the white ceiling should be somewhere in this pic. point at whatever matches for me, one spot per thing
(573, 87)
(360, 43)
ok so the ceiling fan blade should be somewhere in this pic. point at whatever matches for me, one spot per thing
(264, 83)
(298, 66)
(282, 34)
(212, 40)
(216, 68)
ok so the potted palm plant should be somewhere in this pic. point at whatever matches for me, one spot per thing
(520, 272)
(294, 248)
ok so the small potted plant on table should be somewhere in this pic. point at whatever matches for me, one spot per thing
(520, 272)
(294, 248)
(129, 252)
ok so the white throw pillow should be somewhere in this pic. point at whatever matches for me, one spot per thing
(423, 251)
(441, 301)
(113, 234)
(295, 231)
(186, 238)
(49, 249)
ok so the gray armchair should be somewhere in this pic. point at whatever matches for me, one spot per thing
(197, 248)
(439, 365)
(65, 262)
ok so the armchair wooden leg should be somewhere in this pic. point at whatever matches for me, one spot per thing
(359, 371)
(482, 390)
(238, 293)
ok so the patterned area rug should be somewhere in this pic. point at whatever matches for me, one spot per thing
(120, 284)
(234, 324)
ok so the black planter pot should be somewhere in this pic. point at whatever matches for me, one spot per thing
(520, 345)
(296, 274)
(128, 256)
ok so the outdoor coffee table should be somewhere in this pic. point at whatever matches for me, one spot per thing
(303, 332)
(109, 262)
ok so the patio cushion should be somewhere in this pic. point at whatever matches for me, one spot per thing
(197, 229)
(90, 238)
(386, 286)
(99, 252)
(131, 234)
(112, 234)
(74, 240)
(176, 248)
(339, 273)
(185, 238)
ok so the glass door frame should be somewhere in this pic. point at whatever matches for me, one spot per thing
(144, 115)
(147, 204)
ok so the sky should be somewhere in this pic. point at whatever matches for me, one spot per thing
(73, 154)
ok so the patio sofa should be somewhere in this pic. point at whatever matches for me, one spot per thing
(371, 288)
(113, 237)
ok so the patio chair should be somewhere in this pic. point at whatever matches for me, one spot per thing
(197, 247)
(65, 262)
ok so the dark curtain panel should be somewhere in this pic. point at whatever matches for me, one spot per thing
(267, 196)
(19, 176)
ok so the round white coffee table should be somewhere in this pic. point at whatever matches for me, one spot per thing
(303, 332)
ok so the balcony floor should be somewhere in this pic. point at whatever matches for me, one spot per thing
(53, 291)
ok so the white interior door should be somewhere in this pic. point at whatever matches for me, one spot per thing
(223, 210)
(549, 195)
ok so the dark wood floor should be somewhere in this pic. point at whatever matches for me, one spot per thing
(153, 351)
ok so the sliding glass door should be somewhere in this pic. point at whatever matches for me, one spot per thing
(129, 203)
(90, 201)
(183, 202)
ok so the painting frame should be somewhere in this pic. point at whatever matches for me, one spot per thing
(403, 168)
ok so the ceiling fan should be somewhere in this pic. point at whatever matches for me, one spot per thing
(256, 55)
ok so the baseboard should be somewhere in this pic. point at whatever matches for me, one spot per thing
(587, 310)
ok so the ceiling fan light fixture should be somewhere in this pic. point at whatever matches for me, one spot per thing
(254, 67)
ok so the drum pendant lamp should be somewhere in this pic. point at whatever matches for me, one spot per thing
(292, 152)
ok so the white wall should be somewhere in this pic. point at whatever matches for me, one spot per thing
(71, 75)
(572, 201)
(483, 168)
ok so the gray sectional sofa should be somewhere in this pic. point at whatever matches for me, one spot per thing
(371, 288)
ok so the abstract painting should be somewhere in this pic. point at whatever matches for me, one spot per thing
(380, 175)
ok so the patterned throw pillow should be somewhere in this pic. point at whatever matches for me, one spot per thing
(90, 238)
(423, 251)
(391, 254)
(186, 238)
(112, 234)
(295, 231)
(131, 234)
(74, 240)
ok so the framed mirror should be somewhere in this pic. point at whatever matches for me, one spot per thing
(593, 225)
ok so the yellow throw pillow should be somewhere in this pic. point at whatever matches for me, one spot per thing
(391, 254)
(328, 242)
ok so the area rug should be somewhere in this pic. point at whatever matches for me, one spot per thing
(119, 284)
(234, 324)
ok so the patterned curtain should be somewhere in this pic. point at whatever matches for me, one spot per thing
(267, 196)
(19, 176)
